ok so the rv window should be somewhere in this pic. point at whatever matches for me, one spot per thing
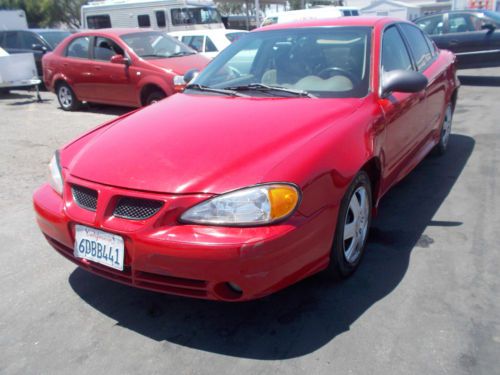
(194, 16)
(160, 18)
(99, 22)
(355, 12)
(143, 20)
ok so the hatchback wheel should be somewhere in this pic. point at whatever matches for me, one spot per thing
(154, 97)
(67, 98)
(352, 228)
(444, 137)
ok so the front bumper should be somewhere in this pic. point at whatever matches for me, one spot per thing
(190, 260)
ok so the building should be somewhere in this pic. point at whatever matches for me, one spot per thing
(408, 10)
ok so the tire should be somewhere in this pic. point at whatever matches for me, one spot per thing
(4, 91)
(355, 214)
(67, 98)
(444, 135)
(155, 97)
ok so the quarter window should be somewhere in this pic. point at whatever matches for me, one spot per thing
(99, 22)
(79, 48)
(143, 20)
(418, 45)
(210, 46)
(394, 53)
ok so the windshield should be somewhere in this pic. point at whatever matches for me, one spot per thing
(493, 15)
(155, 44)
(323, 61)
(195, 16)
(53, 38)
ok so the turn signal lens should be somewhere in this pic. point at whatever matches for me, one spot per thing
(283, 200)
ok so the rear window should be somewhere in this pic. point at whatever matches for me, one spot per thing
(99, 22)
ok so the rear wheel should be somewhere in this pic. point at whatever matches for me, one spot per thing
(155, 97)
(67, 98)
(444, 136)
(352, 229)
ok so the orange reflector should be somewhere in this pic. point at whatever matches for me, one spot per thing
(283, 200)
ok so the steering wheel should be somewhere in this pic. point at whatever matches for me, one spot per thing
(336, 71)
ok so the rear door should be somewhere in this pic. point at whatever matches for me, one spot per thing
(77, 66)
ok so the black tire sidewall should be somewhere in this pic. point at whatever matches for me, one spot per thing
(339, 267)
(155, 96)
(441, 147)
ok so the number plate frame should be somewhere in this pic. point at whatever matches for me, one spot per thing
(98, 246)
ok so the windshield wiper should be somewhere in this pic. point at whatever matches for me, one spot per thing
(266, 88)
(181, 53)
(196, 86)
(153, 55)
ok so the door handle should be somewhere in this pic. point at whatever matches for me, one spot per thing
(454, 42)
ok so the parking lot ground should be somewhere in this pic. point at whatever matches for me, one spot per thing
(426, 299)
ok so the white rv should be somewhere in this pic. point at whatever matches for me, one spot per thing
(13, 20)
(310, 14)
(167, 15)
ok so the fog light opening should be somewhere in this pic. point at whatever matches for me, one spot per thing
(235, 288)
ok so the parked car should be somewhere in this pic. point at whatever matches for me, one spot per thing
(264, 175)
(208, 42)
(36, 41)
(127, 67)
(473, 35)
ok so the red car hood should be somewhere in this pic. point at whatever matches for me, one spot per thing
(197, 143)
(182, 64)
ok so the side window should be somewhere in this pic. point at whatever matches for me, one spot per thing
(394, 53)
(460, 23)
(99, 22)
(432, 25)
(418, 45)
(143, 20)
(28, 40)
(11, 40)
(210, 46)
(194, 41)
(105, 48)
(161, 21)
(79, 48)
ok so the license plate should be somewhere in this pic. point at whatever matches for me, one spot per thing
(98, 246)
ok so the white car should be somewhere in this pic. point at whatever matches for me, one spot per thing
(208, 42)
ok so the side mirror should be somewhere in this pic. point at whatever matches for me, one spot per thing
(190, 75)
(120, 59)
(402, 81)
(39, 48)
(488, 26)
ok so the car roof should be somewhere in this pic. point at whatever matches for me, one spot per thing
(115, 31)
(207, 32)
(485, 11)
(37, 30)
(341, 21)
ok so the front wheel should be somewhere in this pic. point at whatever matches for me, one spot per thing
(155, 97)
(444, 135)
(67, 98)
(352, 229)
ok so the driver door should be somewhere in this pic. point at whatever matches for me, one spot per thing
(112, 82)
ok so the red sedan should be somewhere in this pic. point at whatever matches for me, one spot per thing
(277, 156)
(127, 67)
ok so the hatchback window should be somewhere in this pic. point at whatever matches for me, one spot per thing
(143, 20)
(394, 53)
(105, 49)
(418, 45)
(79, 48)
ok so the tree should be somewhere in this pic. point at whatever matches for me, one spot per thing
(48, 13)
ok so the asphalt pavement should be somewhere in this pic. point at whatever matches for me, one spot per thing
(426, 299)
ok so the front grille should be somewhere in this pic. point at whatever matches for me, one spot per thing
(136, 208)
(85, 197)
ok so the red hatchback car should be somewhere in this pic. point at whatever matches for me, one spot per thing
(279, 152)
(127, 67)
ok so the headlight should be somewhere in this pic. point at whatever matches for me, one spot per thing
(262, 204)
(55, 174)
